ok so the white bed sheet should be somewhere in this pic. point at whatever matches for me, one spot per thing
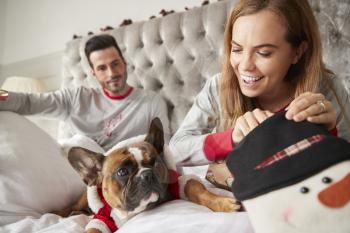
(175, 216)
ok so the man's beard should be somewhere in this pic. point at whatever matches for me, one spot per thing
(120, 87)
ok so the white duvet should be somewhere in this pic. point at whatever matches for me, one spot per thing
(175, 216)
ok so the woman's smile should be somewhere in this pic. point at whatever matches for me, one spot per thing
(250, 80)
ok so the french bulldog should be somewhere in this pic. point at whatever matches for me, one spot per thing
(133, 178)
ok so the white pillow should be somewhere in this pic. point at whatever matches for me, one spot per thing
(34, 177)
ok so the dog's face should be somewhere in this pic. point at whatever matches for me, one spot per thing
(133, 178)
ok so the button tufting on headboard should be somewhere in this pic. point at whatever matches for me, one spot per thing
(175, 54)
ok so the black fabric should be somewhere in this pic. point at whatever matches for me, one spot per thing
(274, 135)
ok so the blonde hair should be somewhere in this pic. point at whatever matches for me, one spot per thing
(301, 26)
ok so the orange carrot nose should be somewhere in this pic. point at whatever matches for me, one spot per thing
(336, 195)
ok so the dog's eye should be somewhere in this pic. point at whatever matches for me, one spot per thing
(122, 172)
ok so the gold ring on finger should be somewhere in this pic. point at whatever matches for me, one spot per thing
(322, 105)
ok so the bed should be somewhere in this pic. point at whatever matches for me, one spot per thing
(172, 55)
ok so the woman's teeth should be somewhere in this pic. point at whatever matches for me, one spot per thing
(250, 79)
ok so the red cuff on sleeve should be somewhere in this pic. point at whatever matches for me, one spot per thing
(218, 145)
(334, 131)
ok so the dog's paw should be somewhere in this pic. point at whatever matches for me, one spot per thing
(225, 204)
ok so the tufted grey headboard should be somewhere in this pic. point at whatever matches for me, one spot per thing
(175, 54)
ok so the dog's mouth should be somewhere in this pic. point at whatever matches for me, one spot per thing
(144, 204)
(136, 204)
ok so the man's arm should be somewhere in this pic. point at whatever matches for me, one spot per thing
(52, 104)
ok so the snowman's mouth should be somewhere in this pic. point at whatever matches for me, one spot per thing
(291, 150)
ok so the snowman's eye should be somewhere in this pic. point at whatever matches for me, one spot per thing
(326, 180)
(304, 190)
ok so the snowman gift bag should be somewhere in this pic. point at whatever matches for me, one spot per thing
(293, 178)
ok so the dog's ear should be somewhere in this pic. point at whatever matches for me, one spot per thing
(87, 163)
(155, 135)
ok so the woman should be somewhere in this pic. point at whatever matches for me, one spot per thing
(272, 62)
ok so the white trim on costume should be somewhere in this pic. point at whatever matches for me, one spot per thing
(93, 198)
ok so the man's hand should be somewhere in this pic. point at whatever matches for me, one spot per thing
(3, 95)
(248, 122)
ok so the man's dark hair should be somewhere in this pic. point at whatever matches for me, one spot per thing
(100, 42)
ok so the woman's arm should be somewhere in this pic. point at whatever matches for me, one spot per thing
(188, 142)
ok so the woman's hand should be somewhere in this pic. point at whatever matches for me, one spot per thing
(314, 108)
(248, 122)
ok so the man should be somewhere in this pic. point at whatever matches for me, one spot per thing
(108, 114)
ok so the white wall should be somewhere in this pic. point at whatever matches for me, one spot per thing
(39, 27)
(33, 33)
